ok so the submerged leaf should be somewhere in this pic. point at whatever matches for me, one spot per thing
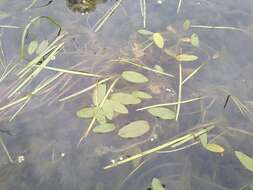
(141, 95)
(104, 128)
(99, 94)
(214, 148)
(186, 57)
(245, 160)
(118, 107)
(145, 32)
(187, 24)
(125, 98)
(158, 68)
(158, 40)
(86, 112)
(170, 52)
(134, 77)
(134, 129)
(32, 47)
(163, 113)
(42, 46)
(195, 40)
(156, 184)
(108, 109)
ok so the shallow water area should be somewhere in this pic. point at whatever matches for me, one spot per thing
(201, 74)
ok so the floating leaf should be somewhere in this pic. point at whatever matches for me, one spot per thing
(118, 107)
(195, 40)
(99, 115)
(42, 46)
(214, 148)
(134, 129)
(156, 184)
(32, 47)
(186, 57)
(187, 24)
(158, 40)
(134, 77)
(170, 52)
(203, 139)
(145, 32)
(141, 95)
(158, 68)
(104, 128)
(99, 94)
(108, 109)
(163, 113)
(245, 160)
(87, 112)
(125, 98)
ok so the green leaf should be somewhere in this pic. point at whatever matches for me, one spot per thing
(4, 15)
(203, 139)
(156, 184)
(99, 115)
(245, 160)
(170, 52)
(158, 40)
(195, 40)
(214, 148)
(158, 68)
(86, 112)
(163, 113)
(186, 57)
(108, 109)
(141, 95)
(134, 129)
(99, 94)
(134, 77)
(104, 128)
(32, 47)
(125, 98)
(145, 32)
(187, 24)
(118, 107)
(42, 46)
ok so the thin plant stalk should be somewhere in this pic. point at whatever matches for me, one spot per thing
(6, 150)
(179, 6)
(9, 26)
(169, 104)
(85, 90)
(217, 27)
(179, 92)
(190, 137)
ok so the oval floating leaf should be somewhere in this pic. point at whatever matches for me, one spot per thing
(32, 47)
(141, 94)
(163, 113)
(99, 94)
(104, 128)
(245, 160)
(134, 129)
(118, 107)
(214, 148)
(156, 184)
(158, 40)
(195, 40)
(186, 57)
(108, 109)
(134, 77)
(125, 98)
(158, 68)
(99, 115)
(145, 32)
(85, 112)
(42, 46)
(187, 24)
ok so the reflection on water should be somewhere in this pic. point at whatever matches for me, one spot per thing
(42, 139)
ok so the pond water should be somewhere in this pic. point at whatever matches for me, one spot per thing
(42, 138)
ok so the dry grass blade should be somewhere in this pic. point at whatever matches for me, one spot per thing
(193, 73)
(179, 6)
(85, 90)
(179, 91)
(169, 104)
(106, 16)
